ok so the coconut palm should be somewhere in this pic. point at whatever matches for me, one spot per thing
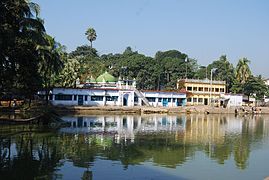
(51, 61)
(91, 35)
(21, 30)
(242, 71)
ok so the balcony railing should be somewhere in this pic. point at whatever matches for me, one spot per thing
(205, 81)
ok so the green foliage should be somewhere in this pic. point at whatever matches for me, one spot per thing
(242, 71)
(201, 73)
(83, 51)
(255, 86)
(69, 73)
(21, 31)
(224, 71)
(237, 87)
(29, 58)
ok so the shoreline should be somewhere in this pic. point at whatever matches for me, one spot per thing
(119, 110)
(158, 110)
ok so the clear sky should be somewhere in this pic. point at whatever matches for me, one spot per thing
(203, 29)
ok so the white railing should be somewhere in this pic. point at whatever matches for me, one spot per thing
(140, 95)
(207, 81)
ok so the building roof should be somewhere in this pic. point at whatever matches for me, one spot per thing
(205, 81)
(181, 91)
(106, 77)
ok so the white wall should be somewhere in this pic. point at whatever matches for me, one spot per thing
(93, 92)
(234, 100)
(110, 92)
(164, 95)
(84, 92)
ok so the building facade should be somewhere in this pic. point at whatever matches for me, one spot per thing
(202, 92)
(108, 91)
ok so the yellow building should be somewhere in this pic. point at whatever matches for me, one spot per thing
(199, 91)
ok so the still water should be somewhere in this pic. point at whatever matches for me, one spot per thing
(138, 147)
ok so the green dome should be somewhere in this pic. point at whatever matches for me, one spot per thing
(106, 77)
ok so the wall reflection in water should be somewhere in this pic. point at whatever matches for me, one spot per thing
(124, 127)
(169, 141)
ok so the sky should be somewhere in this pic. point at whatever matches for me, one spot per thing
(203, 29)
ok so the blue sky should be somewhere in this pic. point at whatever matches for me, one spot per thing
(203, 29)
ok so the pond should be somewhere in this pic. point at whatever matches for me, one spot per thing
(138, 147)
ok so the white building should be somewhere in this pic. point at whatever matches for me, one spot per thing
(107, 91)
(233, 100)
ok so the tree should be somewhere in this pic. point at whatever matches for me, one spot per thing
(51, 54)
(21, 31)
(171, 66)
(201, 73)
(224, 71)
(91, 35)
(83, 51)
(242, 71)
(255, 86)
(69, 73)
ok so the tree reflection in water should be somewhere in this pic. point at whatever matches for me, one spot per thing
(31, 152)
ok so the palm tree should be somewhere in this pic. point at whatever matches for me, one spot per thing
(91, 35)
(242, 71)
(51, 61)
(21, 30)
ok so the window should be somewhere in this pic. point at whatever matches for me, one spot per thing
(97, 98)
(159, 99)
(75, 97)
(63, 97)
(189, 88)
(194, 99)
(111, 98)
(194, 88)
(189, 100)
(135, 99)
(86, 98)
(151, 99)
(206, 89)
(169, 99)
(174, 99)
(221, 89)
(200, 100)
(216, 89)
(201, 88)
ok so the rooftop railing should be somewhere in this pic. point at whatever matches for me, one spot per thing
(208, 81)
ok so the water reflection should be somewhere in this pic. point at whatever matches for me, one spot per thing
(168, 141)
(124, 127)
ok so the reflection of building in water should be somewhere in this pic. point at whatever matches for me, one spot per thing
(192, 128)
(124, 127)
(208, 129)
(213, 128)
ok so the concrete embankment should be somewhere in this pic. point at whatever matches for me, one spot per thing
(160, 110)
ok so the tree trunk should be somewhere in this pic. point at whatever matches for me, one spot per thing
(30, 100)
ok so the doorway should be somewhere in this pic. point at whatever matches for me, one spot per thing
(80, 100)
(125, 99)
(165, 102)
(205, 101)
